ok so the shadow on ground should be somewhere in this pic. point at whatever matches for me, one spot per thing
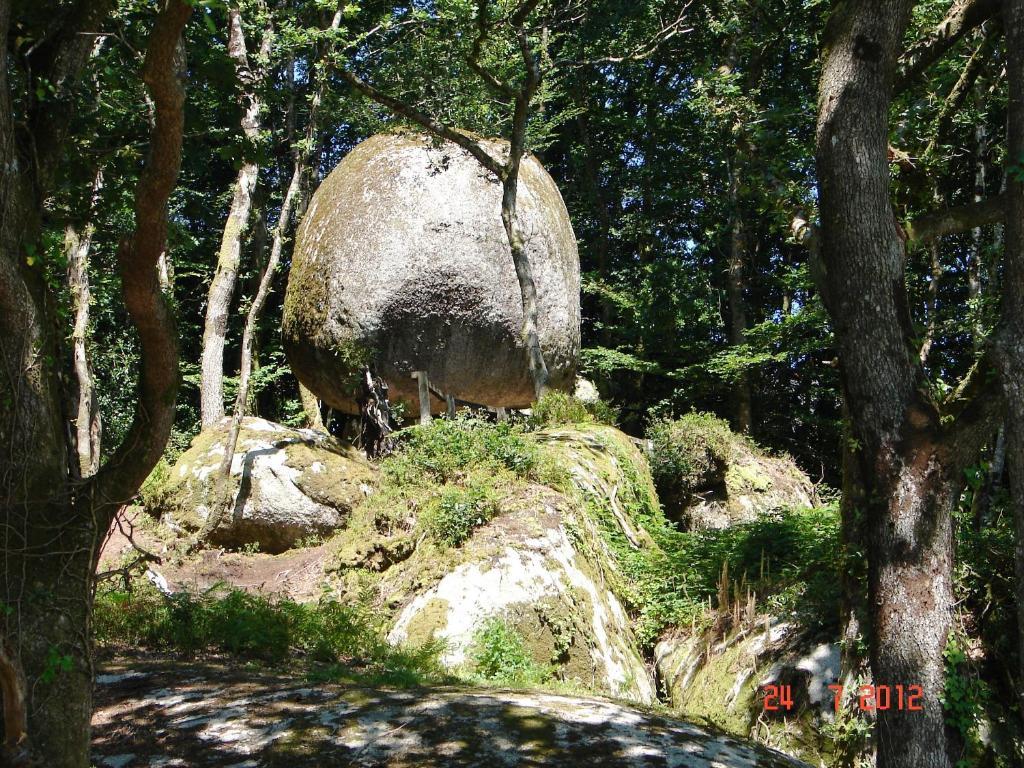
(161, 713)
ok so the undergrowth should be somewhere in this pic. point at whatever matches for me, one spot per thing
(349, 637)
(500, 656)
(689, 454)
(450, 475)
(556, 408)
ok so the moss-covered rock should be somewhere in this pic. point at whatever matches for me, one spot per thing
(544, 561)
(401, 262)
(721, 681)
(286, 485)
(709, 477)
(525, 567)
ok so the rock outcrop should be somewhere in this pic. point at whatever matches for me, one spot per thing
(542, 567)
(146, 715)
(401, 262)
(287, 485)
(752, 484)
(709, 477)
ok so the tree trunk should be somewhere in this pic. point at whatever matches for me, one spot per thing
(249, 334)
(292, 200)
(743, 418)
(906, 458)
(222, 287)
(516, 241)
(87, 414)
(1010, 338)
(527, 286)
(311, 407)
(52, 527)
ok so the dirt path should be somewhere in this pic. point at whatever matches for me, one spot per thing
(160, 713)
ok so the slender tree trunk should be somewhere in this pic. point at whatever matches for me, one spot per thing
(50, 527)
(311, 407)
(222, 287)
(932, 309)
(1010, 339)
(527, 286)
(292, 200)
(87, 415)
(507, 172)
(516, 240)
(743, 418)
(908, 459)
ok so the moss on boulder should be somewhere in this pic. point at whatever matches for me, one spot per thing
(541, 561)
(721, 682)
(286, 485)
(709, 477)
(401, 262)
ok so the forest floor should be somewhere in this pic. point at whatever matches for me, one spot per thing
(297, 573)
(161, 712)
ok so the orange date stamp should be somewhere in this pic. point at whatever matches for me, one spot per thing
(869, 698)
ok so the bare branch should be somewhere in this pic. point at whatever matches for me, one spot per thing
(643, 51)
(959, 91)
(963, 16)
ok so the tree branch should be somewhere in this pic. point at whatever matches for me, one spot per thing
(60, 61)
(483, 27)
(958, 219)
(643, 51)
(963, 16)
(959, 92)
(469, 144)
(138, 254)
(976, 407)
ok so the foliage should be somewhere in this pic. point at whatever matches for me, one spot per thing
(444, 449)
(500, 656)
(450, 476)
(252, 626)
(788, 559)
(688, 454)
(452, 516)
(560, 408)
(963, 699)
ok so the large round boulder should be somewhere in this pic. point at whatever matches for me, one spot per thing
(402, 263)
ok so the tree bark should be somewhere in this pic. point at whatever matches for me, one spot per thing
(52, 526)
(88, 428)
(311, 407)
(743, 418)
(222, 287)
(909, 457)
(1010, 337)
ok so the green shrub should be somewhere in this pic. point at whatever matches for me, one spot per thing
(443, 449)
(499, 655)
(560, 408)
(451, 517)
(791, 559)
(688, 454)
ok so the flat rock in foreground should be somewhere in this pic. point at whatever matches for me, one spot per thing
(153, 713)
